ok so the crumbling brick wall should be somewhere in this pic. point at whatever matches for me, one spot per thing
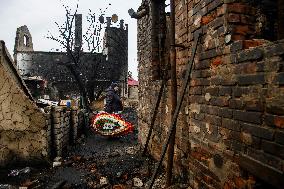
(28, 133)
(230, 128)
(149, 68)
(63, 129)
(22, 124)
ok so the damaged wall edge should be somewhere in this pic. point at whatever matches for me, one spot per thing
(142, 11)
(15, 70)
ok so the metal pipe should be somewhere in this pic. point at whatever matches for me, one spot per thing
(154, 115)
(173, 95)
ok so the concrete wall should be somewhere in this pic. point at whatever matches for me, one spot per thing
(22, 124)
(230, 128)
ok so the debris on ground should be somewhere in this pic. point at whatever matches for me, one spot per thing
(137, 182)
(17, 172)
(95, 162)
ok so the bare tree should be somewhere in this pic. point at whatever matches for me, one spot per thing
(74, 49)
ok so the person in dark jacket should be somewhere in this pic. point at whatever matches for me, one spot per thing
(113, 102)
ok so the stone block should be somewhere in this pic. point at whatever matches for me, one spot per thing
(5, 156)
(6, 124)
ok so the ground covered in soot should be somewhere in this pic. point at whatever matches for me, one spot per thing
(94, 162)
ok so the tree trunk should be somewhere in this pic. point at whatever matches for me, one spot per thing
(81, 86)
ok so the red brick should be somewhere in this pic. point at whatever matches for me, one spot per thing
(208, 18)
(252, 43)
(242, 29)
(247, 68)
(240, 8)
(217, 61)
(247, 19)
(279, 121)
(219, 101)
(222, 10)
(233, 18)
(237, 37)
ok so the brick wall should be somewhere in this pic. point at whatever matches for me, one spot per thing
(27, 133)
(63, 128)
(230, 128)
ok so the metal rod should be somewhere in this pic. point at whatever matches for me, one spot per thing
(173, 94)
(154, 115)
(177, 109)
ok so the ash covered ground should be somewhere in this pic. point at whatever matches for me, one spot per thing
(93, 162)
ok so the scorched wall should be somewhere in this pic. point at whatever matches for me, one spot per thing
(230, 128)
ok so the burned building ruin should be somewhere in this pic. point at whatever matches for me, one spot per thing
(98, 70)
(229, 131)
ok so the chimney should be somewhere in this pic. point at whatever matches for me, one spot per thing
(122, 24)
(108, 21)
(78, 32)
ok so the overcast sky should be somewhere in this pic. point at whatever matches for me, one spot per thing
(40, 15)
